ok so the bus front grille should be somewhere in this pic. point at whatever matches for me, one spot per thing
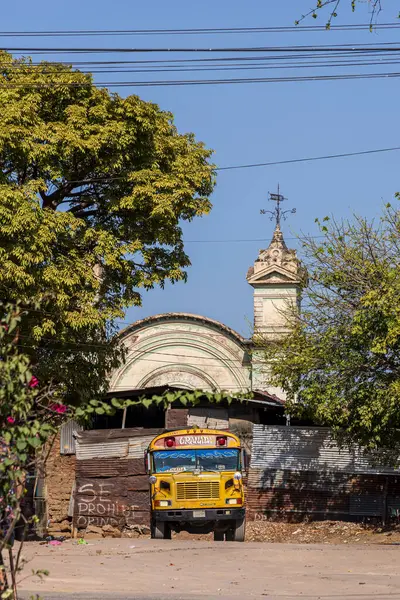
(196, 490)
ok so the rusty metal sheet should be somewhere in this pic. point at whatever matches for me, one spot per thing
(67, 439)
(117, 506)
(110, 467)
(304, 501)
(115, 501)
(84, 521)
(138, 446)
(117, 449)
(139, 499)
(330, 494)
(138, 483)
(287, 502)
(105, 435)
(314, 480)
(127, 447)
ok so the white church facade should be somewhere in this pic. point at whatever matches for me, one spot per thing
(186, 351)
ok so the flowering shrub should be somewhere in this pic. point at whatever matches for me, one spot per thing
(30, 414)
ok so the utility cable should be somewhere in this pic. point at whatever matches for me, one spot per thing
(201, 82)
(378, 47)
(198, 31)
(250, 66)
(251, 165)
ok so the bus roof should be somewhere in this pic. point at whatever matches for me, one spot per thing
(191, 437)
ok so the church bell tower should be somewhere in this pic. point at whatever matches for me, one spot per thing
(276, 278)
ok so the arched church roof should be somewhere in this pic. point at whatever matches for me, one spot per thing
(182, 317)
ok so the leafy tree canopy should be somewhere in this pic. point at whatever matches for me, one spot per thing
(93, 190)
(341, 359)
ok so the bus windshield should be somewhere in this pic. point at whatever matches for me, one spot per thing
(179, 461)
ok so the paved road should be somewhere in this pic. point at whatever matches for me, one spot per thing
(128, 569)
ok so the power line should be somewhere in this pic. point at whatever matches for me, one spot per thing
(242, 66)
(197, 31)
(377, 47)
(234, 241)
(252, 165)
(222, 59)
(202, 82)
(313, 158)
(249, 166)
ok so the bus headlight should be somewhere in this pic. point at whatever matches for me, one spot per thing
(152, 479)
(234, 501)
(237, 476)
(162, 503)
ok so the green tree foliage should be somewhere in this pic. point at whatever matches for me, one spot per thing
(341, 359)
(93, 189)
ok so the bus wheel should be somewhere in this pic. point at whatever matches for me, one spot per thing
(230, 535)
(239, 530)
(160, 531)
(218, 536)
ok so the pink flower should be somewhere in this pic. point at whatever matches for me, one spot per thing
(58, 408)
(10, 420)
(34, 382)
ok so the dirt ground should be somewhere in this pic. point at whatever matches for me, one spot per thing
(181, 569)
(318, 532)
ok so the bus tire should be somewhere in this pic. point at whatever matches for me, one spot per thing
(240, 530)
(160, 531)
(230, 535)
(218, 536)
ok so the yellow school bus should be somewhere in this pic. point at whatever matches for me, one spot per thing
(196, 484)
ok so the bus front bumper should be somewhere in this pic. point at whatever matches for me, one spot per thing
(199, 515)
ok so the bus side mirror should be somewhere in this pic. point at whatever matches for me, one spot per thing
(243, 459)
(147, 463)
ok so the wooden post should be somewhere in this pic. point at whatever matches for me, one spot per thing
(384, 501)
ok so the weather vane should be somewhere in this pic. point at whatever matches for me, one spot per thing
(277, 213)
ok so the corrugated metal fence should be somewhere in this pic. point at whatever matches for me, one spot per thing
(302, 470)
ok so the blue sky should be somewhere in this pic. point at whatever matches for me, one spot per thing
(249, 124)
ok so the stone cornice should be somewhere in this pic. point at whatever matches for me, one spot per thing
(183, 318)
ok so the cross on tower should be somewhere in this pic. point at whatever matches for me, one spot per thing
(277, 213)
